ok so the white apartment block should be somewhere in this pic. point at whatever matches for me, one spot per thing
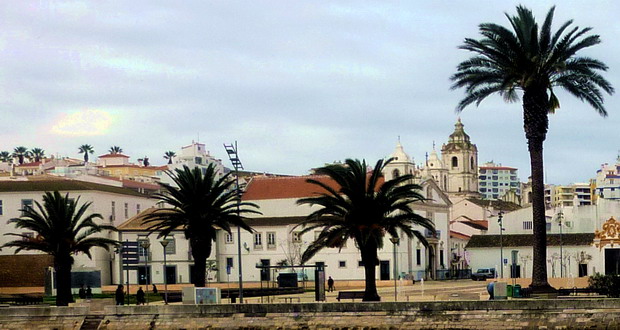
(608, 181)
(496, 180)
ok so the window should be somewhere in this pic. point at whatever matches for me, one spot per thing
(26, 204)
(483, 189)
(271, 240)
(258, 240)
(471, 161)
(527, 225)
(137, 208)
(229, 265)
(0, 207)
(228, 239)
(342, 264)
(113, 211)
(395, 173)
(441, 259)
(482, 177)
(142, 252)
(296, 237)
(418, 257)
(171, 248)
(548, 226)
(455, 162)
(126, 210)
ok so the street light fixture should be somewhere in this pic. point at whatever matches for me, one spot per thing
(395, 241)
(165, 243)
(146, 245)
(501, 244)
(236, 163)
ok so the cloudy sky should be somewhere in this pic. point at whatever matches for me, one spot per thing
(296, 83)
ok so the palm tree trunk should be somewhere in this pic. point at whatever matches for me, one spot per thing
(369, 257)
(62, 266)
(536, 123)
(200, 251)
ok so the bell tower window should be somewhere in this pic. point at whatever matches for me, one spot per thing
(395, 173)
(455, 162)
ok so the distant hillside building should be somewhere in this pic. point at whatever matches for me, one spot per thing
(496, 180)
(568, 195)
(608, 181)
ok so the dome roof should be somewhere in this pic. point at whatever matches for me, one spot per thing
(459, 140)
(434, 161)
(400, 155)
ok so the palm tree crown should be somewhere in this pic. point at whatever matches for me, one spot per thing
(533, 61)
(115, 150)
(63, 229)
(86, 149)
(37, 154)
(365, 209)
(169, 155)
(21, 153)
(5, 156)
(199, 205)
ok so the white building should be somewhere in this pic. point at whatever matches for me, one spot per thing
(193, 155)
(608, 181)
(115, 204)
(496, 180)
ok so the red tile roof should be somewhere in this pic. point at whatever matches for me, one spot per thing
(478, 224)
(261, 188)
(113, 156)
(456, 234)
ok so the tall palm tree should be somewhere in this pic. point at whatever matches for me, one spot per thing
(37, 154)
(199, 205)
(86, 149)
(169, 155)
(63, 229)
(5, 157)
(115, 150)
(534, 61)
(365, 209)
(21, 153)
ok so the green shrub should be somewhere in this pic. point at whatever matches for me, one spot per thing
(606, 284)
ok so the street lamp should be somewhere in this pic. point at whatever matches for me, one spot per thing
(560, 216)
(146, 245)
(236, 163)
(395, 241)
(501, 244)
(165, 243)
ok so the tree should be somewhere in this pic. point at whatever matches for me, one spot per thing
(21, 153)
(534, 62)
(63, 229)
(365, 209)
(37, 154)
(115, 150)
(86, 149)
(200, 205)
(5, 157)
(169, 155)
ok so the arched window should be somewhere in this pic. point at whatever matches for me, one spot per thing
(455, 162)
(472, 163)
(395, 173)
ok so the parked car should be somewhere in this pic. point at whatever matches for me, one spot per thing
(483, 273)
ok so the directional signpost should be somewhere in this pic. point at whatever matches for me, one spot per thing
(130, 260)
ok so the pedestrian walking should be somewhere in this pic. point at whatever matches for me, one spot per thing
(140, 299)
(120, 295)
(82, 292)
(89, 292)
(330, 284)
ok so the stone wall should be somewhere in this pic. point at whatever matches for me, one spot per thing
(42, 317)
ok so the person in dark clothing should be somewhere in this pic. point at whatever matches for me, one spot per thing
(120, 295)
(82, 292)
(154, 289)
(330, 284)
(140, 297)
(89, 292)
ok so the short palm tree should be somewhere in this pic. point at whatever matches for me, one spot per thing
(365, 209)
(63, 229)
(534, 61)
(86, 149)
(21, 153)
(115, 150)
(5, 157)
(199, 205)
(37, 154)
(169, 155)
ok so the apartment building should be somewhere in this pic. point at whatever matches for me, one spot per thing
(496, 180)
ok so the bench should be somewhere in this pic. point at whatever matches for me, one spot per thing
(350, 295)
(290, 299)
(578, 291)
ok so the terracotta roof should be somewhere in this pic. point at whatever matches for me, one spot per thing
(456, 234)
(31, 164)
(260, 188)
(477, 224)
(113, 156)
(496, 204)
(486, 241)
(136, 223)
(155, 168)
(61, 184)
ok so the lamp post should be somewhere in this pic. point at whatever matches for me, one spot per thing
(395, 241)
(501, 244)
(146, 245)
(164, 243)
(560, 216)
(236, 163)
